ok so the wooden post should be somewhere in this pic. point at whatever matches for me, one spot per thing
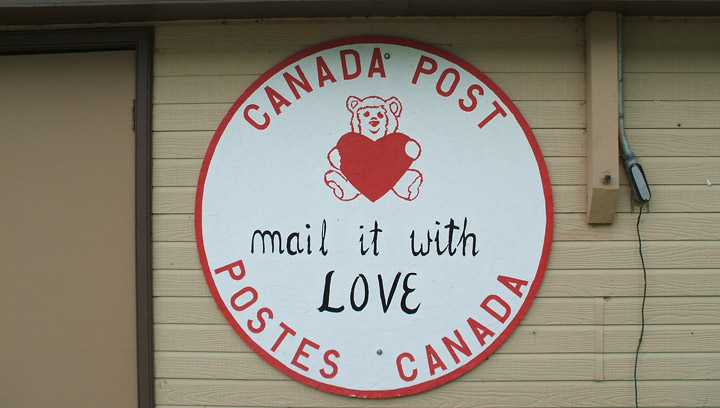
(601, 82)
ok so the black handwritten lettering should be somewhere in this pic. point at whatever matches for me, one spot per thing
(360, 294)
(272, 241)
(374, 241)
(447, 243)
(325, 307)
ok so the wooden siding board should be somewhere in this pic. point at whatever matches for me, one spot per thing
(658, 254)
(185, 117)
(682, 170)
(563, 171)
(567, 199)
(221, 339)
(526, 339)
(653, 227)
(189, 61)
(181, 145)
(664, 366)
(672, 114)
(539, 114)
(198, 117)
(503, 367)
(256, 60)
(666, 199)
(675, 142)
(475, 31)
(514, 58)
(557, 283)
(553, 142)
(696, 86)
(201, 89)
(671, 59)
(566, 255)
(544, 311)
(568, 227)
(248, 366)
(457, 394)
(173, 227)
(227, 88)
(669, 31)
(629, 282)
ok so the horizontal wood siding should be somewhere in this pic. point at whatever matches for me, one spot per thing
(575, 348)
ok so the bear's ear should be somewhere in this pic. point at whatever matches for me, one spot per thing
(395, 106)
(352, 103)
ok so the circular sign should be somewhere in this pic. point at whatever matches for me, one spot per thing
(373, 217)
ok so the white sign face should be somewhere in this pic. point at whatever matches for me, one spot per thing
(374, 217)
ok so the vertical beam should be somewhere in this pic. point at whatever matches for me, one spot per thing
(601, 94)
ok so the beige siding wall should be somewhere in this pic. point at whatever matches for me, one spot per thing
(576, 345)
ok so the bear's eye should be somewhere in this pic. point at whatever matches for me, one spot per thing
(380, 115)
(366, 114)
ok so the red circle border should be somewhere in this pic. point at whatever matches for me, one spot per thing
(542, 264)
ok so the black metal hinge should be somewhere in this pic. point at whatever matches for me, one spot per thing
(133, 115)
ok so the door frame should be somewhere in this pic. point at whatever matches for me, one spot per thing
(114, 39)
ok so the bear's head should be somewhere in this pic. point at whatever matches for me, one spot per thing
(374, 117)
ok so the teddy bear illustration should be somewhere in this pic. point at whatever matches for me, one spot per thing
(374, 157)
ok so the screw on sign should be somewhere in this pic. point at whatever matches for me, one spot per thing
(344, 231)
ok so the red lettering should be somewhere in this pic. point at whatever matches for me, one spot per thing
(302, 82)
(452, 346)
(261, 326)
(453, 85)
(473, 100)
(258, 126)
(513, 284)
(277, 100)
(498, 109)
(323, 72)
(421, 67)
(301, 352)
(286, 330)
(494, 313)
(332, 364)
(479, 330)
(253, 298)
(229, 269)
(376, 64)
(346, 74)
(401, 372)
(434, 360)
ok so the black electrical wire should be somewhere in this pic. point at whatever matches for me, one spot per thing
(642, 308)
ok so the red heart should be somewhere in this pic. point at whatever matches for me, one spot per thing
(373, 166)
